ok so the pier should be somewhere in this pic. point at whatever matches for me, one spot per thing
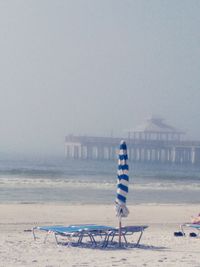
(154, 142)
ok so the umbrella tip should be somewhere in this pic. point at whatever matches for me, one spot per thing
(122, 142)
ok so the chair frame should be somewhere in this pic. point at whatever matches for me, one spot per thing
(190, 225)
(91, 231)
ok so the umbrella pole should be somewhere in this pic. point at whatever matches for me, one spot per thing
(120, 231)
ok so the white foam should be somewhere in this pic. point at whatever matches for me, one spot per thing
(40, 182)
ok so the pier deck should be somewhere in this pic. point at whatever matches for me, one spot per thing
(170, 151)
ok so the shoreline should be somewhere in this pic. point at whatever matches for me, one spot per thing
(63, 203)
(97, 204)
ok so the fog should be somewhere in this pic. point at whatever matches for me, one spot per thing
(96, 68)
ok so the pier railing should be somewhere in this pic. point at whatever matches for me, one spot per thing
(164, 151)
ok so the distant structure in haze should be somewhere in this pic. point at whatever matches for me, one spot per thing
(154, 129)
(154, 141)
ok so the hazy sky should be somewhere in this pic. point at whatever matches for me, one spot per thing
(95, 67)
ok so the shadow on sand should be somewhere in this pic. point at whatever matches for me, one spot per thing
(115, 246)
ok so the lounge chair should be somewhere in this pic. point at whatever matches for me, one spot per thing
(74, 231)
(91, 231)
(125, 231)
(193, 226)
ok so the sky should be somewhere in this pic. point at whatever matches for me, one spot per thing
(89, 67)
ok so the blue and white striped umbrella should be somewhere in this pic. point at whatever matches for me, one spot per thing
(122, 182)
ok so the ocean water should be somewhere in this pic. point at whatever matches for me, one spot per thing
(94, 182)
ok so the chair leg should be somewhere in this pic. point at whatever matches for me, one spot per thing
(141, 233)
(33, 231)
(182, 230)
(93, 241)
(56, 238)
(198, 233)
(112, 237)
(106, 240)
(45, 239)
(124, 236)
(80, 239)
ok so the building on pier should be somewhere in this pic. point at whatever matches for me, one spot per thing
(154, 141)
(154, 129)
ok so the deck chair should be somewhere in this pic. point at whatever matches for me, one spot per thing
(125, 231)
(57, 230)
(91, 231)
(193, 226)
(78, 231)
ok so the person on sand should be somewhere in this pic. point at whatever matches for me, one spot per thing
(196, 220)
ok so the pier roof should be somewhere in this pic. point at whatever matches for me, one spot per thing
(156, 125)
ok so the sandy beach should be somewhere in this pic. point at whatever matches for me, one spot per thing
(158, 245)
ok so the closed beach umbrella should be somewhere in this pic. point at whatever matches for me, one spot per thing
(122, 185)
